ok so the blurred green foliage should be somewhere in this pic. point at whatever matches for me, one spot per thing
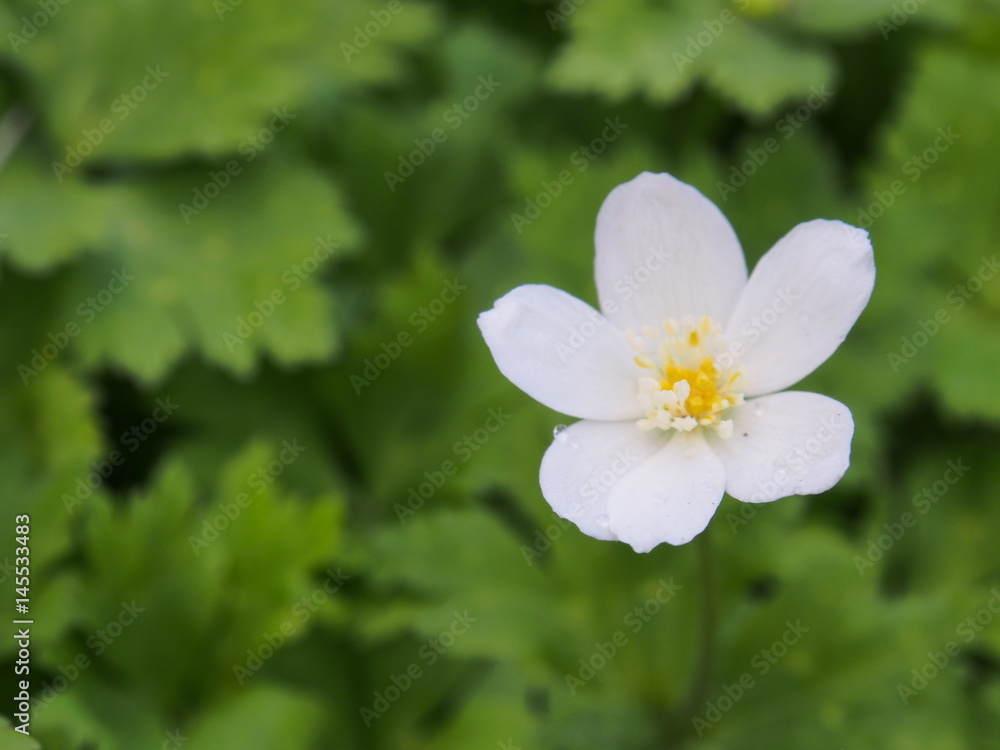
(246, 405)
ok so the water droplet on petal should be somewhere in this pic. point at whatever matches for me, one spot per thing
(559, 433)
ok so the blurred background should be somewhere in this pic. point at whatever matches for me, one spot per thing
(281, 497)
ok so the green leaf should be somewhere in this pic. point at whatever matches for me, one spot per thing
(758, 72)
(496, 715)
(857, 16)
(819, 635)
(235, 278)
(136, 94)
(264, 717)
(624, 48)
(432, 555)
(219, 585)
(10, 739)
(924, 190)
(31, 199)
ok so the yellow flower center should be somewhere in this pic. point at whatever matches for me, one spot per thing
(692, 376)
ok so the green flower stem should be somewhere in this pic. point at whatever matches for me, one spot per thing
(679, 723)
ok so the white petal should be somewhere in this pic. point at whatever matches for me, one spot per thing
(670, 497)
(563, 353)
(664, 250)
(583, 464)
(790, 443)
(801, 300)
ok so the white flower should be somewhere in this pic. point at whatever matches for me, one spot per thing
(678, 382)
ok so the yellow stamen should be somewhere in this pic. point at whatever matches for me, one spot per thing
(691, 387)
